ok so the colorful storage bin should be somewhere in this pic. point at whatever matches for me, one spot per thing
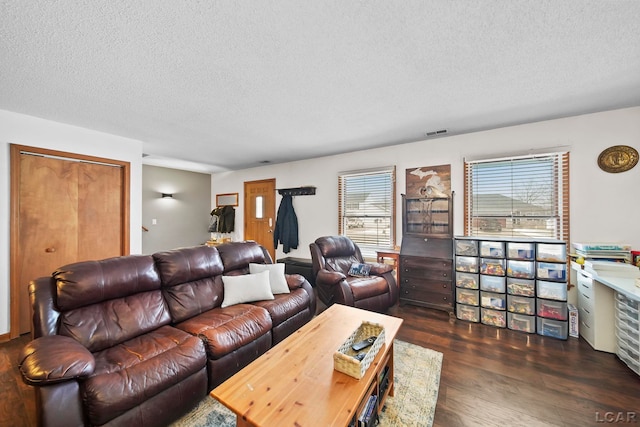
(467, 280)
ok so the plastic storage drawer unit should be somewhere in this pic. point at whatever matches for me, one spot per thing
(468, 313)
(521, 305)
(493, 317)
(467, 280)
(632, 363)
(492, 249)
(467, 264)
(552, 271)
(628, 306)
(624, 324)
(625, 340)
(521, 269)
(492, 283)
(493, 300)
(466, 296)
(467, 247)
(553, 328)
(522, 287)
(628, 324)
(557, 310)
(491, 266)
(551, 290)
(551, 252)
(520, 322)
(523, 251)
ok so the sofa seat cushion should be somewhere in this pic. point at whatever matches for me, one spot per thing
(130, 373)
(225, 330)
(285, 306)
(367, 287)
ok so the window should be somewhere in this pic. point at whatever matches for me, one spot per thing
(366, 208)
(525, 196)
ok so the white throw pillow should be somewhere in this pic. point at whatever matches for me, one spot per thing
(246, 288)
(276, 276)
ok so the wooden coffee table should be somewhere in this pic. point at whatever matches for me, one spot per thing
(294, 383)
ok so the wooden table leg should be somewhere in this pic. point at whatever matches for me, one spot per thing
(393, 255)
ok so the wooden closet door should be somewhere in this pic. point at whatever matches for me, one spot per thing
(100, 201)
(48, 221)
(65, 211)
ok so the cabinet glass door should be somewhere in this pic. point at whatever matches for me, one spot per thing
(427, 216)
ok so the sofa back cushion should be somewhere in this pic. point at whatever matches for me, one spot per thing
(236, 256)
(104, 303)
(191, 280)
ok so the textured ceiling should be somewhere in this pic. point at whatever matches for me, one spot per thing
(214, 85)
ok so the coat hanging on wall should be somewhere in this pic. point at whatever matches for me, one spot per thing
(223, 219)
(286, 230)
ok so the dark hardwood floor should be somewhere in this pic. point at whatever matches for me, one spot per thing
(499, 377)
(490, 377)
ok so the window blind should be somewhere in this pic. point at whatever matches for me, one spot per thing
(366, 208)
(525, 196)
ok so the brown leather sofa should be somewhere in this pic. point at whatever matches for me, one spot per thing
(332, 258)
(140, 339)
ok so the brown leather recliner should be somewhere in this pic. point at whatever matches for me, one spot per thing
(332, 257)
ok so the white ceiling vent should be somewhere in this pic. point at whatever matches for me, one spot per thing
(433, 133)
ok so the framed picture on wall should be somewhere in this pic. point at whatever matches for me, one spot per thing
(429, 181)
(227, 199)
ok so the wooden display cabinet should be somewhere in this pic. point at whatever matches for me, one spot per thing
(426, 255)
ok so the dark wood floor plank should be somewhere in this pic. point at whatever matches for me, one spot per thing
(486, 411)
(15, 409)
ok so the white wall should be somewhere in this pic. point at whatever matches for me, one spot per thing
(31, 131)
(603, 205)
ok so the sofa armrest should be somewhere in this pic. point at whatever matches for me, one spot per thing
(378, 269)
(329, 277)
(53, 359)
(294, 281)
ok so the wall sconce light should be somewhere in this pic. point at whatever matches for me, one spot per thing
(167, 195)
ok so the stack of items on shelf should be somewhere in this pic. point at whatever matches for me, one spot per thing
(609, 259)
(609, 268)
(612, 252)
(520, 284)
(369, 414)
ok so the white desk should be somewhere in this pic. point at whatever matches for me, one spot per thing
(596, 303)
(624, 285)
(608, 304)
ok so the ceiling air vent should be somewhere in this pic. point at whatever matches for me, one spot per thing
(436, 133)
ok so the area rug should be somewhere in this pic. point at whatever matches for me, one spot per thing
(417, 379)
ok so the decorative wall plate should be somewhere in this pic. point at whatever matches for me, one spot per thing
(619, 158)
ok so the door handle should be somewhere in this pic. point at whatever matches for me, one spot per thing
(50, 250)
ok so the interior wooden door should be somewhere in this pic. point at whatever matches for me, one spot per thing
(260, 213)
(63, 211)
